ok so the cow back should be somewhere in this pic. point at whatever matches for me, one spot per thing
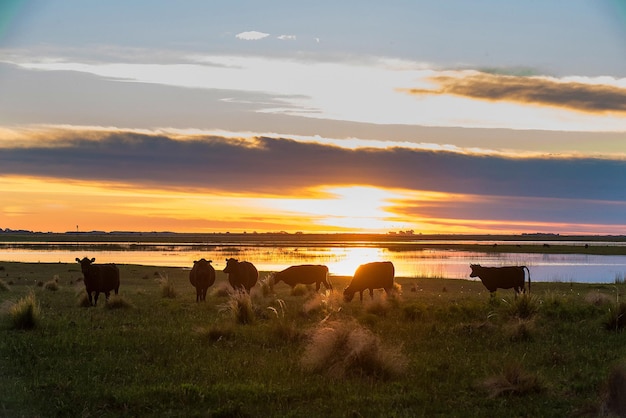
(374, 275)
(302, 274)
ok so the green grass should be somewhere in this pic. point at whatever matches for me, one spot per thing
(445, 349)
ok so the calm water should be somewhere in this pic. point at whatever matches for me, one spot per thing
(341, 260)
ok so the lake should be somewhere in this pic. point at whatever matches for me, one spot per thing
(341, 259)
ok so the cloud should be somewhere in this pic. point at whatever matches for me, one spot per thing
(438, 185)
(287, 37)
(252, 35)
(579, 96)
(267, 165)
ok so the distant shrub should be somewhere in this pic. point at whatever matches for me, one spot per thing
(167, 287)
(4, 286)
(413, 312)
(52, 285)
(25, 314)
(513, 380)
(520, 330)
(342, 349)
(239, 307)
(597, 298)
(118, 302)
(39, 283)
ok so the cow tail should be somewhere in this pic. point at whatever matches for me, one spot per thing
(528, 278)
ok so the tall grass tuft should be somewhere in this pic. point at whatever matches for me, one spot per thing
(524, 307)
(239, 306)
(513, 380)
(267, 285)
(216, 332)
(325, 302)
(221, 290)
(25, 314)
(4, 286)
(344, 348)
(167, 287)
(616, 317)
(299, 290)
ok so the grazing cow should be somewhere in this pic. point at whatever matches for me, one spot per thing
(377, 275)
(202, 276)
(99, 278)
(304, 274)
(241, 274)
(501, 277)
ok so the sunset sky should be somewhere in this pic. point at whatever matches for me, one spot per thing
(450, 116)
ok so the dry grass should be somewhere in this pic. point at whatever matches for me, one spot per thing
(221, 290)
(325, 302)
(52, 285)
(217, 332)
(616, 317)
(344, 348)
(4, 286)
(513, 380)
(167, 287)
(25, 314)
(239, 306)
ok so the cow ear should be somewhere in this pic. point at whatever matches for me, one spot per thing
(210, 261)
(93, 259)
(78, 259)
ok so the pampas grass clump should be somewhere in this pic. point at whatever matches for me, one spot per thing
(4, 287)
(524, 307)
(616, 317)
(299, 290)
(239, 306)
(167, 287)
(341, 349)
(52, 285)
(118, 302)
(25, 314)
(326, 303)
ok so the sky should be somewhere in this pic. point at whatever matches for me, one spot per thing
(448, 116)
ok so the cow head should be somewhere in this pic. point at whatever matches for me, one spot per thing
(348, 294)
(85, 263)
(474, 268)
(231, 265)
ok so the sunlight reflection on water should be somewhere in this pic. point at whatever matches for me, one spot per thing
(341, 260)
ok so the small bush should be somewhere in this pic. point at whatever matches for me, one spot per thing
(118, 302)
(512, 381)
(239, 307)
(286, 331)
(616, 317)
(4, 286)
(342, 349)
(25, 314)
(520, 330)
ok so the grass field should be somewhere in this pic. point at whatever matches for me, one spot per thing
(441, 348)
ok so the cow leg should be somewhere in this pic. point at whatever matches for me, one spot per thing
(95, 298)
(371, 293)
(317, 286)
(90, 299)
(361, 295)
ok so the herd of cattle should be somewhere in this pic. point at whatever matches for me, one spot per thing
(243, 275)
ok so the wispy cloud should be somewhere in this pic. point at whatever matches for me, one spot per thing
(287, 37)
(252, 35)
(579, 96)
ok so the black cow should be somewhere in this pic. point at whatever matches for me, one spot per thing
(202, 276)
(304, 274)
(241, 274)
(501, 277)
(376, 275)
(99, 278)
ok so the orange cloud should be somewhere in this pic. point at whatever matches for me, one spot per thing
(584, 97)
